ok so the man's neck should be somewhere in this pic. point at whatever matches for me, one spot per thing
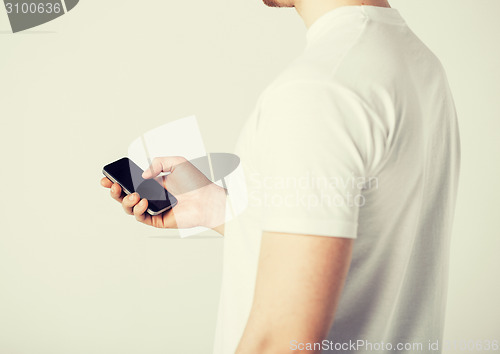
(311, 10)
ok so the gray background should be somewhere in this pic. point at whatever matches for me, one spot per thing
(79, 276)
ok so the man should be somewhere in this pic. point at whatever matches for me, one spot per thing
(352, 161)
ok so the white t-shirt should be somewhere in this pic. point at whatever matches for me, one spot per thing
(357, 138)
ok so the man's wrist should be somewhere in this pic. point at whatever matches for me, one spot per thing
(216, 215)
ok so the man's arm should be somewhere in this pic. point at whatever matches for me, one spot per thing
(298, 287)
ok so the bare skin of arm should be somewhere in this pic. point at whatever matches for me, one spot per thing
(299, 282)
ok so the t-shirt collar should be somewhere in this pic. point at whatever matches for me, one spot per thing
(331, 18)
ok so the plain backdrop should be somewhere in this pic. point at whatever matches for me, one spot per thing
(77, 275)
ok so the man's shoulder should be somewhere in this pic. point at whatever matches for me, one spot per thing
(311, 76)
(304, 72)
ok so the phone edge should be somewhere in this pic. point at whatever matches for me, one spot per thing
(149, 211)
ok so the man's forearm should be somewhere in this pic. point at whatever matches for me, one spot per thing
(259, 337)
(270, 344)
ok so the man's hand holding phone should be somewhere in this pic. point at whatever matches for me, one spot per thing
(200, 202)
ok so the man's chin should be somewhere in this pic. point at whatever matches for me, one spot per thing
(279, 3)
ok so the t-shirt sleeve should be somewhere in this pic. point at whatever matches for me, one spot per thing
(317, 144)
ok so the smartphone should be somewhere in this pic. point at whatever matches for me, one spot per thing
(129, 176)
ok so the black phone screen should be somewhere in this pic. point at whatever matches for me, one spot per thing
(129, 176)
